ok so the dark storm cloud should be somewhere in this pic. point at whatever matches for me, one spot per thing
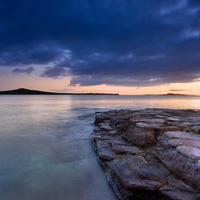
(26, 55)
(114, 42)
(54, 72)
(23, 71)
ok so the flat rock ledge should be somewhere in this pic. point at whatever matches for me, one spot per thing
(150, 154)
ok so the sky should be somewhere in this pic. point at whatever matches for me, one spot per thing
(117, 46)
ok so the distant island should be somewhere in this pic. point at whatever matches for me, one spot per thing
(170, 94)
(23, 91)
(176, 94)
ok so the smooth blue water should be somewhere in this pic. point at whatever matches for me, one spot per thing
(45, 150)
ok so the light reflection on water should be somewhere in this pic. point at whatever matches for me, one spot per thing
(45, 151)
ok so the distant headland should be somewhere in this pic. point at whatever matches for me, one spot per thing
(23, 91)
(176, 94)
(171, 94)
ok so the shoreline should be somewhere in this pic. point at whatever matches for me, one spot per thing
(150, 154)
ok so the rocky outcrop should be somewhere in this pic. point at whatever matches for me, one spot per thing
(150, 154)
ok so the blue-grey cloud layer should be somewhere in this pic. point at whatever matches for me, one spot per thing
(28, 70)
(114, 42)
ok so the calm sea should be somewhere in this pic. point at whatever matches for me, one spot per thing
(45, 149)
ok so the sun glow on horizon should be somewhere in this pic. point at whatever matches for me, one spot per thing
(36, 82)
(179, 88)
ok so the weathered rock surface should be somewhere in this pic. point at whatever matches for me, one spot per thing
(151, 154)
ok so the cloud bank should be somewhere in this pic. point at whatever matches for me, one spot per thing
(124, 42)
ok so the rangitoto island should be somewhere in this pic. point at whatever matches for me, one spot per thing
(23, 91)
(150, 154)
